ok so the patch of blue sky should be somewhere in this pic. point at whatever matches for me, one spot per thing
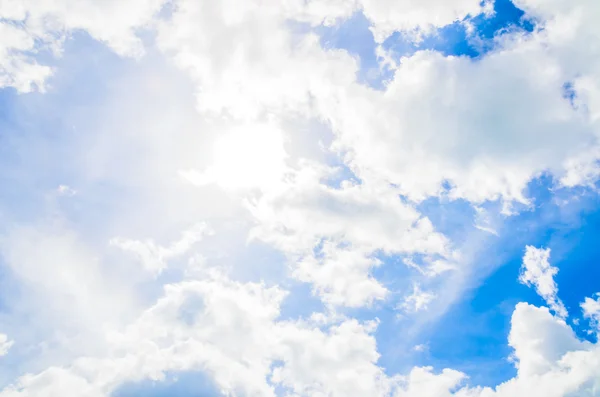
(472, 336)
(175, 384)
(453, 218)
(279, 388)
(342, 174)
(354, 36)
(301, 301)
(36, 131)
(11, 365)
(506, 16)
(456, 39)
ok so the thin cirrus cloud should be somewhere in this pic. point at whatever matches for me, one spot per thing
(175, 173)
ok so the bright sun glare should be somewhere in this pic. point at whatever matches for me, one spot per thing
(244, 158)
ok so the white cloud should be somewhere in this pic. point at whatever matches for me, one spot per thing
(484, 221)
(229, 330)
(341, 276)
(5, 344)
(305, 209)
(246, 62)
(154, 257)
(435, 267)
(421, 348)
(60, 272)
(19, 70)
(30, 26)
(65, 190)
(49, 19)
(540, 340)
(351, 223)
(591, 310)
(423, 382)
(536, 271)
(486, 115)
(418, 300)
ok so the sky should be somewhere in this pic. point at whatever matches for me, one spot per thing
(324, 198)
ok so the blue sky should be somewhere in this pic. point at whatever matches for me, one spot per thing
(477, 326)
(355, 37)
(332, 198)
(187, 384)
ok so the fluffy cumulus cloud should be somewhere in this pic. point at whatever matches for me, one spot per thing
(231, 331)
(466, 143)
(591, 309)
(536, 271)
(210, 187)
(334, 233)
(30, 27)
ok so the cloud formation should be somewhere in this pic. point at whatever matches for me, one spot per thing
(238, 158)
(536, 271)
